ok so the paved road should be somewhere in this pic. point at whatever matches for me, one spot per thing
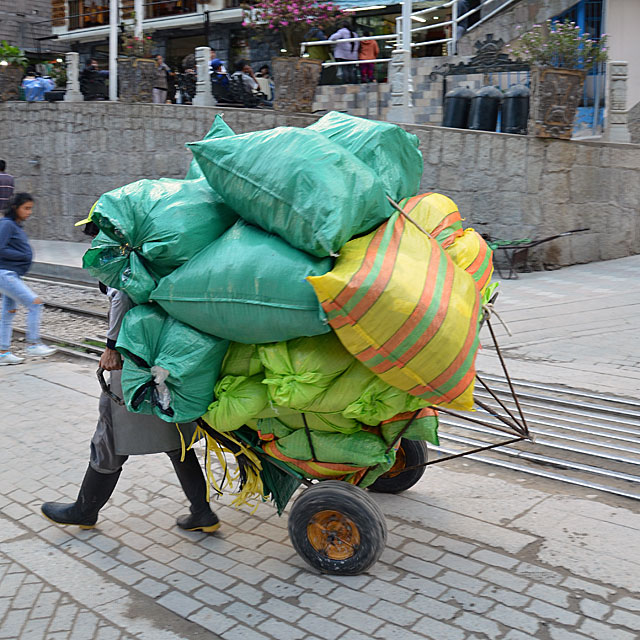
(472, 553)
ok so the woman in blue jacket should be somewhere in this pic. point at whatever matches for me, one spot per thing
(15, 260)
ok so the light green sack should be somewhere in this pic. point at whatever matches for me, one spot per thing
(241, 360)
(169, 368)
(297, 184)
(388, 149)
(248, 286)
(238, 400)
(298, 371)
(422, 428)
(219, 129)
(151, 227)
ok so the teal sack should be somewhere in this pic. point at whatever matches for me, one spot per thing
(248, 286)
(151, 227)
(295, 183)
(388, 149)
(169, 369)
(219, 129)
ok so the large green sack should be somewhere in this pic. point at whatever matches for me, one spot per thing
(332, 422)
(154, 345)
(388, 149)
(151, 227)
(295, 183)
(219, 129)
(248, 286)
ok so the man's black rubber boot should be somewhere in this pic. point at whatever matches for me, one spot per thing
(94, 492)
(194, 486)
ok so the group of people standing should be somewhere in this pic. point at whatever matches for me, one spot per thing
(346, 52)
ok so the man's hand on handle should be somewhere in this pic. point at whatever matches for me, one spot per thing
(110, 360)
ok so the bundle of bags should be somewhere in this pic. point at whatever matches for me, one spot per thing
(279, 288)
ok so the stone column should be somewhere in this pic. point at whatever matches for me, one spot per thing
(203, 97)
(73, 85)
(617, 130)
(401, 104)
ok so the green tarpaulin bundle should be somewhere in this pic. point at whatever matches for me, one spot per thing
(248, 286)
(388, 149)
(149, 228)
(169, 368)
(295, 183)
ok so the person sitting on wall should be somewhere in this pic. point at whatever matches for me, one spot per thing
(215, 63)
(35, 85)
(92, 81)
(245, 77)
(264, 79)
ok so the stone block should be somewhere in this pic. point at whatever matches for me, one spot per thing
(561, 154)
(589, 184)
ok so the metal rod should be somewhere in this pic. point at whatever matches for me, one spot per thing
(464, 453)
(514, 425)
(573, 392)
(496, 398)
(545, 474)
(403, 431)
(534, 457)
(476, 421)
(506, 373)
(396, 206)
(561, 447)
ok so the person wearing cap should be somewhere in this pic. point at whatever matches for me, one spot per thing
(120, 433)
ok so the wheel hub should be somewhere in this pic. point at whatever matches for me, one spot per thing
(333, 534)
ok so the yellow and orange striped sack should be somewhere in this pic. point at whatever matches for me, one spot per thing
(401, 305)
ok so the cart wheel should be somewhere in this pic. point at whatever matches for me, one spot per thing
(410, 452)
(337, 528)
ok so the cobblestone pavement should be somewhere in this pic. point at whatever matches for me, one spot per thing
(471, 553)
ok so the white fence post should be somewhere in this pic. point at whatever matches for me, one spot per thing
(203, 97)
(73, 85)
(617, 129)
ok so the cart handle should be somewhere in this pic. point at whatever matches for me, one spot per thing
(106, 388)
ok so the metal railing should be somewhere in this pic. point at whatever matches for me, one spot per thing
(457, 24)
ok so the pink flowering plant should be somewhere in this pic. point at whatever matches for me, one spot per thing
(560, 44)
(136, 46)
(291, 18)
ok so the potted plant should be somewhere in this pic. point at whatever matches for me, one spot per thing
(560, 55)
(12, 66)
(57, 71)
(136, 67)
(295, 77)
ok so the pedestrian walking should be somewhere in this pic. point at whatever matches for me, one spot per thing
(119, 434)
(16, 256)
(369, 50)
(160, 81)
(7, 186)
(345, 52)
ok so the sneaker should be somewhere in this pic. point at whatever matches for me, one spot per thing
(9, 358)
(40, 350)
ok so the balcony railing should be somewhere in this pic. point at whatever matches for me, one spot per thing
(85, 15)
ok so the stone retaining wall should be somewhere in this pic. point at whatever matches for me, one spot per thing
(510, 186)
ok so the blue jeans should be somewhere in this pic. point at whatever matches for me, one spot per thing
(13, 290)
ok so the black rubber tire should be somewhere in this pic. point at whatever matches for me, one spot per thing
(350, 502)
(415, 452)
